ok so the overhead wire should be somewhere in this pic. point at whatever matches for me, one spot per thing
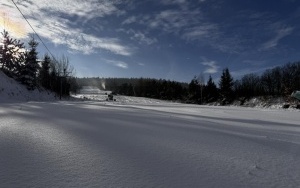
(53, 57)
(34, 31)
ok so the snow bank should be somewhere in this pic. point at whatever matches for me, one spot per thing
(12, 91)
(270, 103)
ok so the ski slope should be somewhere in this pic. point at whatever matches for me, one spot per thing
(147, 143)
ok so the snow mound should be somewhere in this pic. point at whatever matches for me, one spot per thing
(271, 103)
(12, 91)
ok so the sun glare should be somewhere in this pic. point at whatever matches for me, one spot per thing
(16, 29)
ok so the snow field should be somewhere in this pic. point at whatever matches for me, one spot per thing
(147, 144)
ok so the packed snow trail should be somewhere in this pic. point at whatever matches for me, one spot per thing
(90, 144)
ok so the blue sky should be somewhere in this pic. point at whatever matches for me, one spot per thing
(168, 39)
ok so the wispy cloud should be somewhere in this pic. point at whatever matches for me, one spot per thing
(173, 1)
(142, 38)
(255, 62)
(280, 34)
(52, 20)
(201, 31)
(87, 9)
(119, 64)
(60, 34)
(183, 4)
(212, 67)
(130, 20)
(191, 25)
(252, 70)
(173, 21)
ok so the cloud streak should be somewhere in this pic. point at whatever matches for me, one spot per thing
(202, 31)
(280, 34)
(192, 25)
(212, 67)
(141, 37)
(130, 20)
(52, 20)
(119, 64)
(173, 21)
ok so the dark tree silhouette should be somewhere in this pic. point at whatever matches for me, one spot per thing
(226, 87)
(44, 75)
(210, 91)
(30, 67)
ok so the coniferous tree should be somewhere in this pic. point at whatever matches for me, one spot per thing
(30, 68)
(11, 55)
(22, 65)
(194, 91)
(226, 87)
(44, 75)
(211, 91)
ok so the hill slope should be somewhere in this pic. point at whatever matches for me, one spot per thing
(12, 91)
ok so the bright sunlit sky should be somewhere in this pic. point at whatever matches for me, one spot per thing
(168, 39)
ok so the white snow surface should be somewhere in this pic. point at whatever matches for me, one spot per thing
(147, 144)
(12, 91)
(140, 142)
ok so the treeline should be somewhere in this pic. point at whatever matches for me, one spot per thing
(140, 87)
(280, 81)
(23, 65)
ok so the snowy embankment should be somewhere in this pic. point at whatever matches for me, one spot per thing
(12, 91)
(143, 144)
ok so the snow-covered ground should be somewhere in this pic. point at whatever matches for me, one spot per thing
(140, 142)
(12, 91)
(147, 144)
